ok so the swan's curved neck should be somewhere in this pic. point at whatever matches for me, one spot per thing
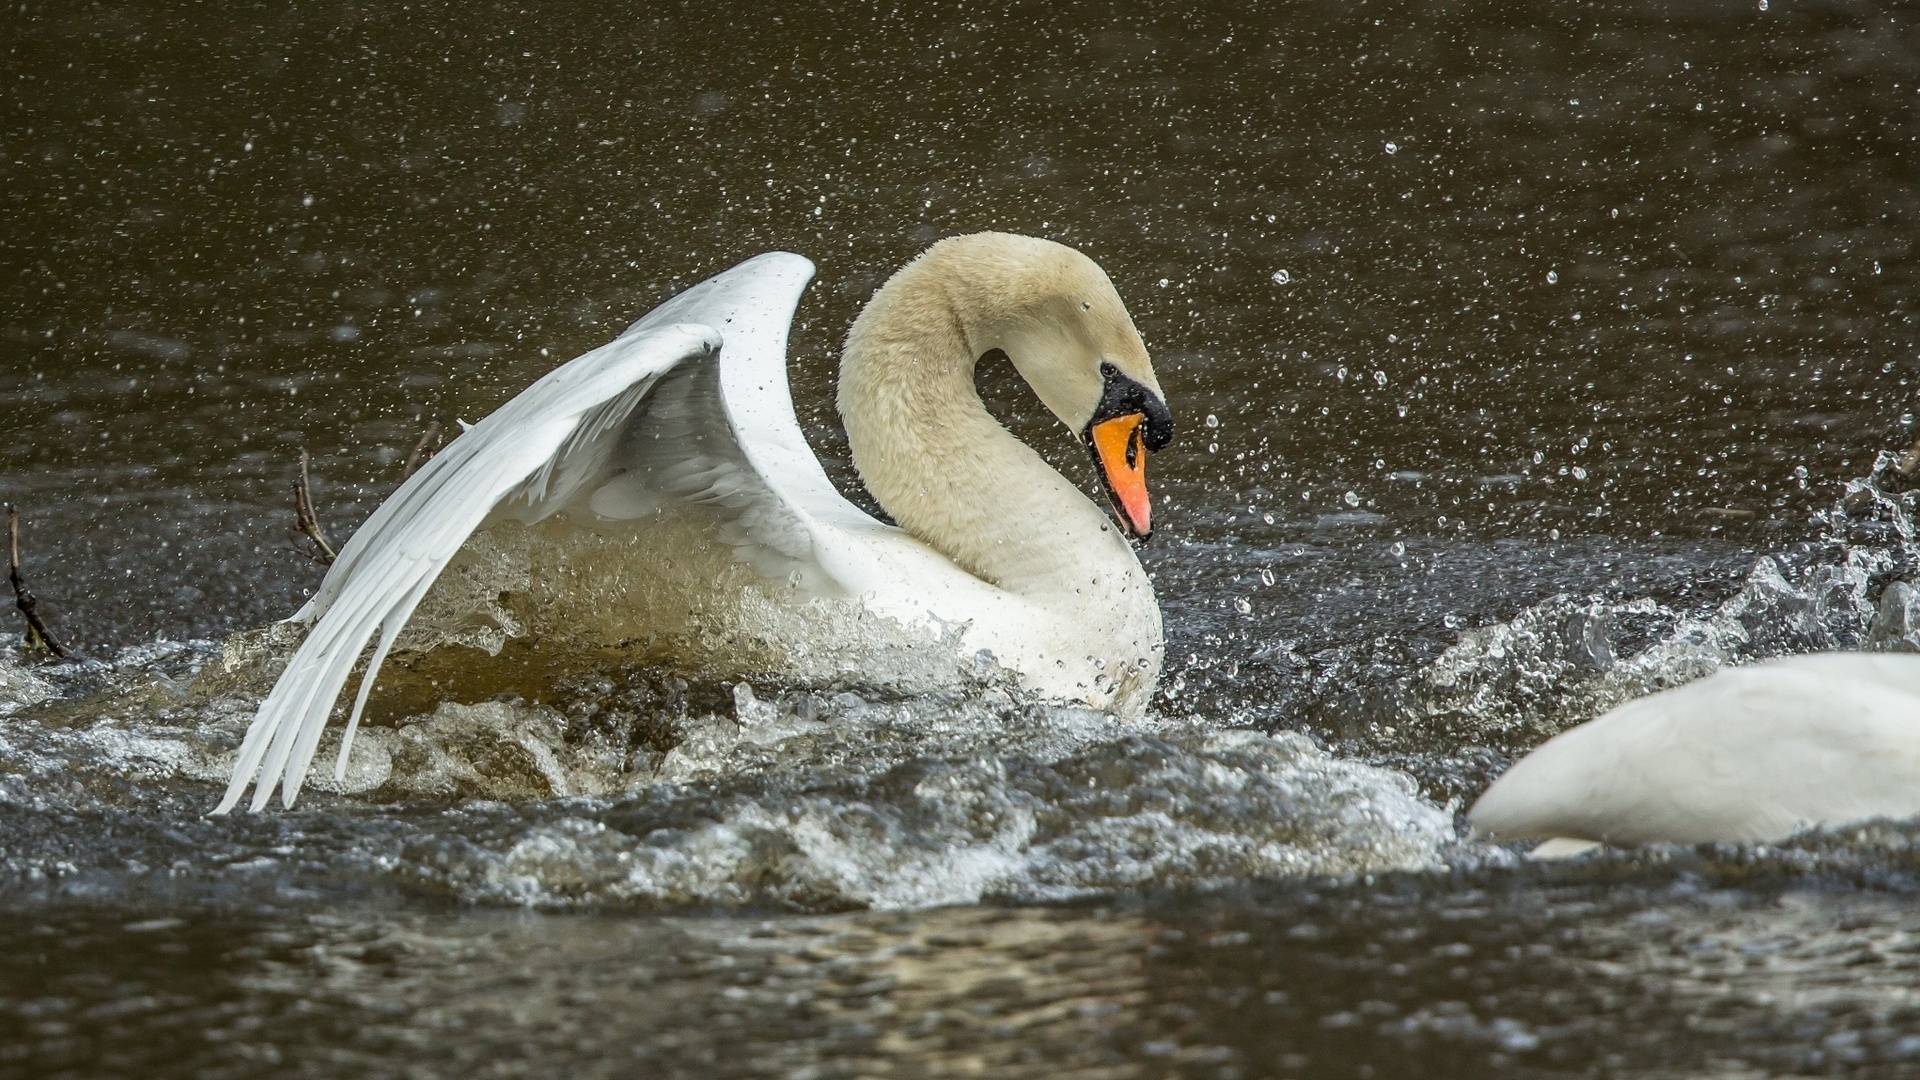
(942, 466)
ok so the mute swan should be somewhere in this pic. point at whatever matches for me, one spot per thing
(1749, 753)
(687, 416)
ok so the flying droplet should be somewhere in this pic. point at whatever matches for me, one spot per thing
(1553, 277)
(1212, 420)
(1393, 148)
(1351, 498)
(1241, 605)
(1281, 277)
(1266, 575)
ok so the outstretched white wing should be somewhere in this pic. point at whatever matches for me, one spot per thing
(650, 415)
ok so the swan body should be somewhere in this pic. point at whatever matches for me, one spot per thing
(1752, 753)
(680, 435)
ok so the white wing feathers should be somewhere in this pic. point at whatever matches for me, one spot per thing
(530, 452)
(573, 437)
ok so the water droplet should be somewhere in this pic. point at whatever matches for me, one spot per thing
(1399, 548)
(1393, 148)
(1241, 605)
(1164, 283)
(1579, 473)
(1763, 5)
(1212, 420)
(1341, 374)
(1538, 457)
(1553, 277)
(1266, 575)
(1351, 499)
(1380, 377)
(1213, 448)
(1268, 518)
(1553, 534)
(1281, 277)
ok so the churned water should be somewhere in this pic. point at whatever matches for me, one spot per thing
(1523, 360)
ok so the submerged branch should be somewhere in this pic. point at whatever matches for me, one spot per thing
(421, 453)
(23, 598)
(309, 525)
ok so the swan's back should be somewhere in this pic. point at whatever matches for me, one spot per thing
(1750, 753)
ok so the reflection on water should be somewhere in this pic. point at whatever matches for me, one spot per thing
(1518, 356)
(1693, 975)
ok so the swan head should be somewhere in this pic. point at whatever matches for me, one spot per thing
(1057, 317)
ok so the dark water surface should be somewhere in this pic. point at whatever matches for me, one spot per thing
(1566, 322)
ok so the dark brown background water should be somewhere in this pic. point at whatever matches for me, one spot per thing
(1458, 305)
(1677, 234)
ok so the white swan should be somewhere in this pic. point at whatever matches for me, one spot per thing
(686, 418)
(1751, 753)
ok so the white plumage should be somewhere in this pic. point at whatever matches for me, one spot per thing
(1748, 754)
(688, 412)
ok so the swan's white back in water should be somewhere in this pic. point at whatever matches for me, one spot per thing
(1748, 754)
(690, 408)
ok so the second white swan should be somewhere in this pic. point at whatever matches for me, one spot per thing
(1751, 753)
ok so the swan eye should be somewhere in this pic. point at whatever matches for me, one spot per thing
(1121, 395)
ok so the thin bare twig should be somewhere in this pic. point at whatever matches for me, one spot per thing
(37, 635)
(421, 454)
(321, 552)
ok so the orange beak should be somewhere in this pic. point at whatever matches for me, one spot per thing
(1118, 447)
